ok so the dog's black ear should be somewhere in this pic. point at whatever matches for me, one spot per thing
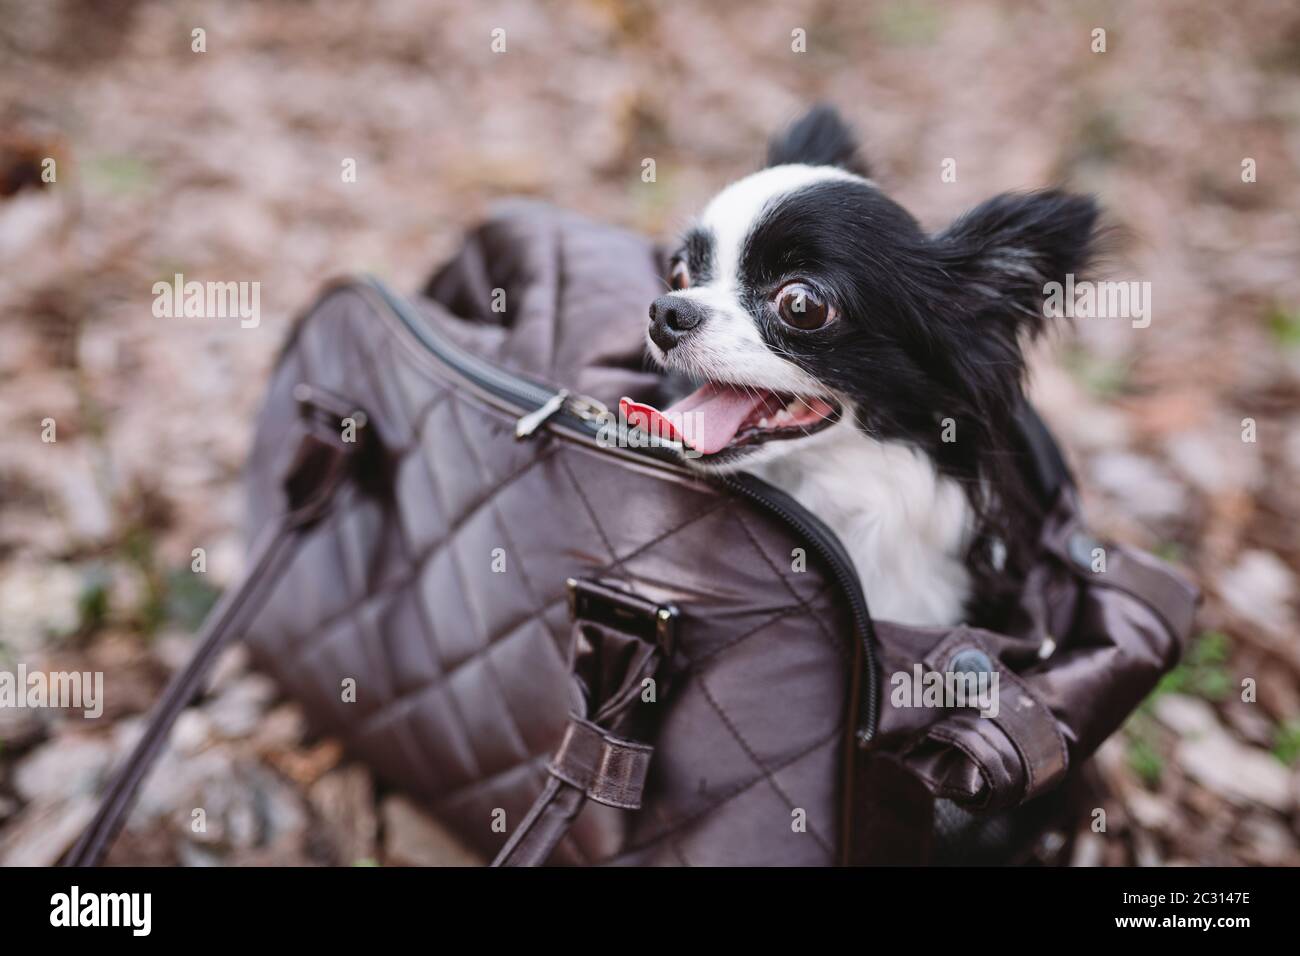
(819, 138)
(1002, 252)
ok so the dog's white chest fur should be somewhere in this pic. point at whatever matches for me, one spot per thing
(905, 526)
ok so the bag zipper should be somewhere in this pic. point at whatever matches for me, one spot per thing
(525, 426)
(539, 406)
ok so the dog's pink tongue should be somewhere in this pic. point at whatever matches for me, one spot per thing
(706, 420)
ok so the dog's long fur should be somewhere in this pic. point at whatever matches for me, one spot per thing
(920, 476)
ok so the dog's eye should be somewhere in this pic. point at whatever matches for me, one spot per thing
(680, 277)
(801, 307)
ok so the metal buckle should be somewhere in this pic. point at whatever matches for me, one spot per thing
(652, 622)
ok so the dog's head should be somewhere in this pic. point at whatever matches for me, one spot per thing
(803, 294)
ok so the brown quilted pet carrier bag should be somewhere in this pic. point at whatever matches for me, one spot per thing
(573, 650)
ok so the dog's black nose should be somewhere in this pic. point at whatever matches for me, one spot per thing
(671, 317)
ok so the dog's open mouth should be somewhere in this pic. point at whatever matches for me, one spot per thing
(719, 417)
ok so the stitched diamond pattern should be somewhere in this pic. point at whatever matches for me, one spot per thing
(462, 687)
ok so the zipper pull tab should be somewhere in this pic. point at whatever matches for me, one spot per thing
(534, 420)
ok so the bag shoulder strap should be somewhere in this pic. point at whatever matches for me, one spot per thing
(620, 640)
(321, 465)
(1047, 465)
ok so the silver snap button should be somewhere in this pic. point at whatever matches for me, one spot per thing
(1081, 547)
(970, 660)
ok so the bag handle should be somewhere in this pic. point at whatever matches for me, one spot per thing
(619, 642)
(320, 466)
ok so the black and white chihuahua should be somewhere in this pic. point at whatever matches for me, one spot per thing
(867, 368)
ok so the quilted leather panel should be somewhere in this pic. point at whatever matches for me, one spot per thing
(462, 687)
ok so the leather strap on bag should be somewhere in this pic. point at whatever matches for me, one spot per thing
(319, 468)
(620, 642)
(1140, 575)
